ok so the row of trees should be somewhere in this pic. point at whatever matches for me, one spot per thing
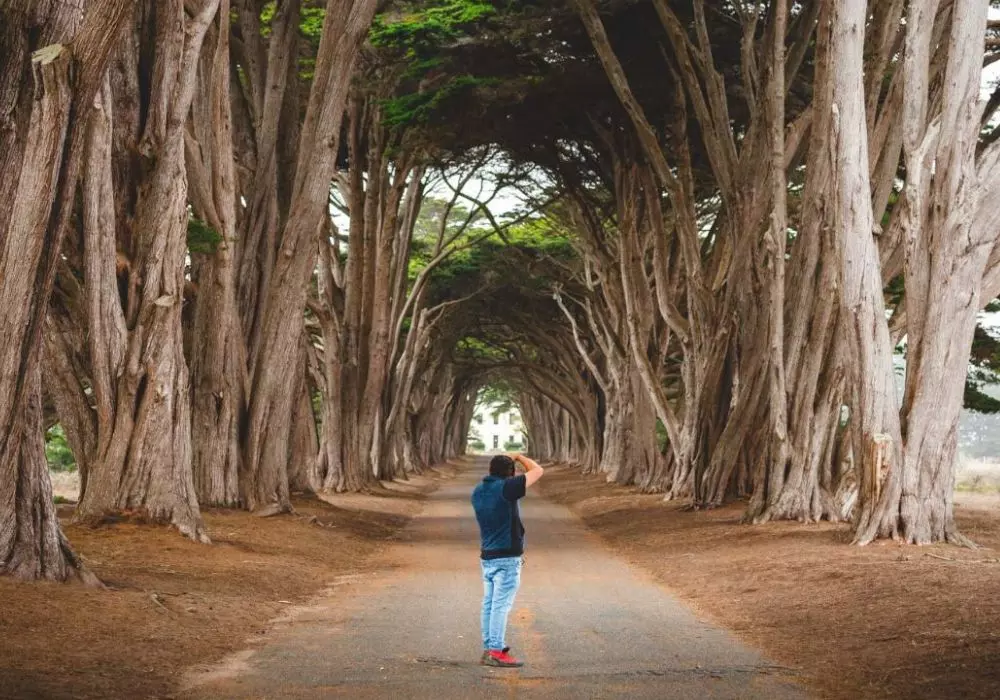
(227, 271)
(765, 199)
(175, 290)
(784, 313)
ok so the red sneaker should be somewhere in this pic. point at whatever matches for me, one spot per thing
(485, 659)
(503, 660)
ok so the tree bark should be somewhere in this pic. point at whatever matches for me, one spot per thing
(874, 407)
(32, 545)
(803, 487)
(303, 448)
(145, 463)
(945, 262)
(269, 429)
(42, 123)
(218, 353)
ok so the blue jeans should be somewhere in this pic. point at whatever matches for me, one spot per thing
(501, 578)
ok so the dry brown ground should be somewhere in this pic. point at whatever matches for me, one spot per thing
(172, 603)
(883, 621)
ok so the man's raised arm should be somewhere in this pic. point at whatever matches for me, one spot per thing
(532, 470)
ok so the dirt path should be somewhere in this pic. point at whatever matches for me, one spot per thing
(587, 623)
(886, 621)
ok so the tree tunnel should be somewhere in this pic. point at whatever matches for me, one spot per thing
(282, 247)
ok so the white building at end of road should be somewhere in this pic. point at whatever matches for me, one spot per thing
(499, 428)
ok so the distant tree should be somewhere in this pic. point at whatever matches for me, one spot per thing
(57, 451)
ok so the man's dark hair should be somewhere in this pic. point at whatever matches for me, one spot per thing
(502, 466)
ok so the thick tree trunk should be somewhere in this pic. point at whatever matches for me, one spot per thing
(330, 464)
(650, 468)
(42, 127)
(272, 96)
(144, 464)
(146, 461)
(797, 490)
(269, 427)
(31, 544)
(874, 413)
(218, 354)
(775, 459)
(945, 262)
(303, 455)
(218, 389)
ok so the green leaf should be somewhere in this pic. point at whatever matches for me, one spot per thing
(976, 400)
(417, 33)
(202, 238)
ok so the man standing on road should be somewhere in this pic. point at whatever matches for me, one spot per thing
(502, 546)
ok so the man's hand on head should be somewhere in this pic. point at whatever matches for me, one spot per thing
(518, 465)
(532, 469)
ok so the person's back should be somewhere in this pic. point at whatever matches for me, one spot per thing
(501, 533)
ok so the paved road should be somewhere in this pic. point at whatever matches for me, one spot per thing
(587, 624)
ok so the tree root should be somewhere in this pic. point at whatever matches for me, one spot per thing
(272, 509)
(80, 571)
